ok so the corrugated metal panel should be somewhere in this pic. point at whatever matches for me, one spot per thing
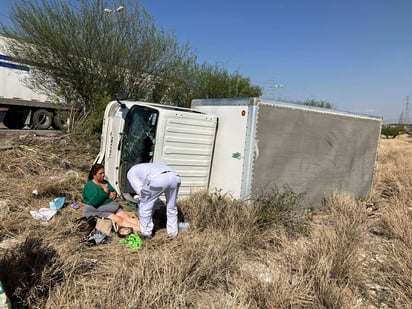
(187, 146)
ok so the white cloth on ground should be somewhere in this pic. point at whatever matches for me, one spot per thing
(43, 213)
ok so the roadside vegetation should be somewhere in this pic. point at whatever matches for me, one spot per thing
(271, 253)
(89, 52)
(392, 131)
(101, 50)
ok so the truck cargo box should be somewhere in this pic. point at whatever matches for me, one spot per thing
(265, 145)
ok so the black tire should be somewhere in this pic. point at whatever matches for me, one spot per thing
(42, 119)
(59, 122)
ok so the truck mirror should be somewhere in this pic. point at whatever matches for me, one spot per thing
(122, 95)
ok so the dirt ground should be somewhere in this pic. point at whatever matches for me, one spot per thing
(35, 169)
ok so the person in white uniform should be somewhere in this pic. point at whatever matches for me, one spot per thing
(150, 181)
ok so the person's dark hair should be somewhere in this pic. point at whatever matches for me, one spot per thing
(95, 168)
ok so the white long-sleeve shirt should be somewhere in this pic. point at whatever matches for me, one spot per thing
(139, 173)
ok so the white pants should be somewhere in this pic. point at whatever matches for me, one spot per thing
(167, 183)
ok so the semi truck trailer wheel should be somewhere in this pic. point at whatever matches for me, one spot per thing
(42, 119)
(59, 121)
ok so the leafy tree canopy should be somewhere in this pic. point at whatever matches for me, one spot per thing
(208, 81)
(85, 53)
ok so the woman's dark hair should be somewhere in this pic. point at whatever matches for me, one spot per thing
(95, 168)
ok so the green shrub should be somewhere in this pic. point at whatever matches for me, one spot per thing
(391, 131)
(282, 207)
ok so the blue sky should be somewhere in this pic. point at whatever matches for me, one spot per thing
(356, 54)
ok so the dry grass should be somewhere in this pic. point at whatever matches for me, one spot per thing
(344, 254)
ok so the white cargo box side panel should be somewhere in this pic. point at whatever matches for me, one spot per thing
(13, 75)
(12, 86)
(230, 152)
(314, 151)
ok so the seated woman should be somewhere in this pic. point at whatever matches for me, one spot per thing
(99, 200)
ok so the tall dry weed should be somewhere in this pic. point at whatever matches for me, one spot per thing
(391, 266)
(393, 170)
(216, 212)
(388, 272)
(332, 255)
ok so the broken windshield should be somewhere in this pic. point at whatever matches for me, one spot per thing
(138, 139)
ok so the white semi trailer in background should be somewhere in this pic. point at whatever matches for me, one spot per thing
(243, 147)
(20, 106)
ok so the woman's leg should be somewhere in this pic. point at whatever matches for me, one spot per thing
(122, 222)
(126, 216)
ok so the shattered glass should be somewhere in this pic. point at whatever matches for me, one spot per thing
(138, 140)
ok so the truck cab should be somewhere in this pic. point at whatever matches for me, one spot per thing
(137, 132)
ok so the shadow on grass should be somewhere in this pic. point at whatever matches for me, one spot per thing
(29, 272)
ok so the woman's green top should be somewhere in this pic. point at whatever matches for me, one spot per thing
(95, 195)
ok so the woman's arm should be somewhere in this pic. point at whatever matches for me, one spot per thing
(112, 191)
(93, 194)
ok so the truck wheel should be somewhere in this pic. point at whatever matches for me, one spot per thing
(42, 119)
(59, 122)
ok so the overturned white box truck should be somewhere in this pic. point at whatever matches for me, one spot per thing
(243, 147)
